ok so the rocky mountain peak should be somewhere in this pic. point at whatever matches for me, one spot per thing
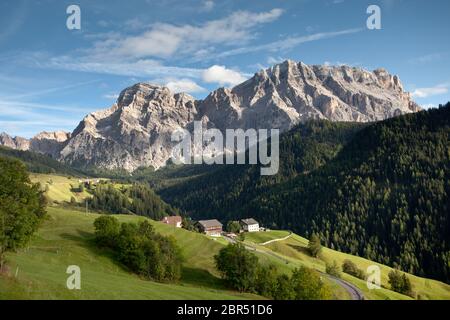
(136, 130)
(58, 136)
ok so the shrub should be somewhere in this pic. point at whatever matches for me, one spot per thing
(141, 249)
(267, 281)
(238, 267)
(107, 229)
(284, 289)
(307, 285)
(314, 246)
(233, 226)
(333, 269)
(350, 268)
(241, 271)
(400, 283)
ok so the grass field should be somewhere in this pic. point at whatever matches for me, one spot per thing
(59, 187)
(261, 237)
(295, 247)
(65, 239)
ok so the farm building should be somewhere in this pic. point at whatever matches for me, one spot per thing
(249, 225)
(175, 221)
(210, 227)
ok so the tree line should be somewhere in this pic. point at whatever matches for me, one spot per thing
(22, 207)
(140, 248)
(138, 199)
(380, 191)
(242, 271)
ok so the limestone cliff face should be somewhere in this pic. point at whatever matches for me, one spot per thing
(292, 92)
(14, 142)
(136, 130)
(49, 143)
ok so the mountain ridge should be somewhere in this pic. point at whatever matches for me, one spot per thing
(135, 132)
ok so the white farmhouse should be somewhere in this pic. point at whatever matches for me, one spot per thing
(250, 225)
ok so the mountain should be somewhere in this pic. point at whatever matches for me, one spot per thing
(48, 143)
(291, 92)
(379, 190)
(135, 132)
(17, 143)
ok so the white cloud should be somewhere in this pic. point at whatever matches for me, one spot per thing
(287, 43)
(429, 106)
(163, 40)
(275, 60)
(428, 92)
(222, 76)
(208, 5)
(111, 96)
(426, 58)
(26, 119)
(184, 85)
(139, 68)
(52, 90)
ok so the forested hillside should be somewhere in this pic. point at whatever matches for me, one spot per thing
(381, 192)
(39, 163)
(222, 190)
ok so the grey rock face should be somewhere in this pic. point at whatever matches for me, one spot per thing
(136, 130)
(14, 143)
(291, 92)
(49, 143)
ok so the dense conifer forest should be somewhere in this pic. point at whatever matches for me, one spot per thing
(380, 191)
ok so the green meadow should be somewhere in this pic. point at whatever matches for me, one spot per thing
(66, 238)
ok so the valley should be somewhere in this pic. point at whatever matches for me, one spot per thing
(65, 238)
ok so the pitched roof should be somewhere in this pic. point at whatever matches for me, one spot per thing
(210, 223)
(249, 221)
(172, 219)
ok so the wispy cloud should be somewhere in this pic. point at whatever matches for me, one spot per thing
(26, 119)
(287, 43)
(138, 68)
(184, 85)
(426, 58)
(275, 60)
(429, 106)
(431, 91)
(208, 5)
(111, 96)
(163, 40)
(52, 90)
(10, 106)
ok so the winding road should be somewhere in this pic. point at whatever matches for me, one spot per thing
(354, 292)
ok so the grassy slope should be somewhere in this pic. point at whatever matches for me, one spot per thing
(199, 251)
(59, 187)
(64, 240)
(295, 247)
(261, 237)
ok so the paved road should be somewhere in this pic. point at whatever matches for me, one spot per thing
(352, 290)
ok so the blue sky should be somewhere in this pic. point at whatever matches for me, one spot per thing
(51, 77)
